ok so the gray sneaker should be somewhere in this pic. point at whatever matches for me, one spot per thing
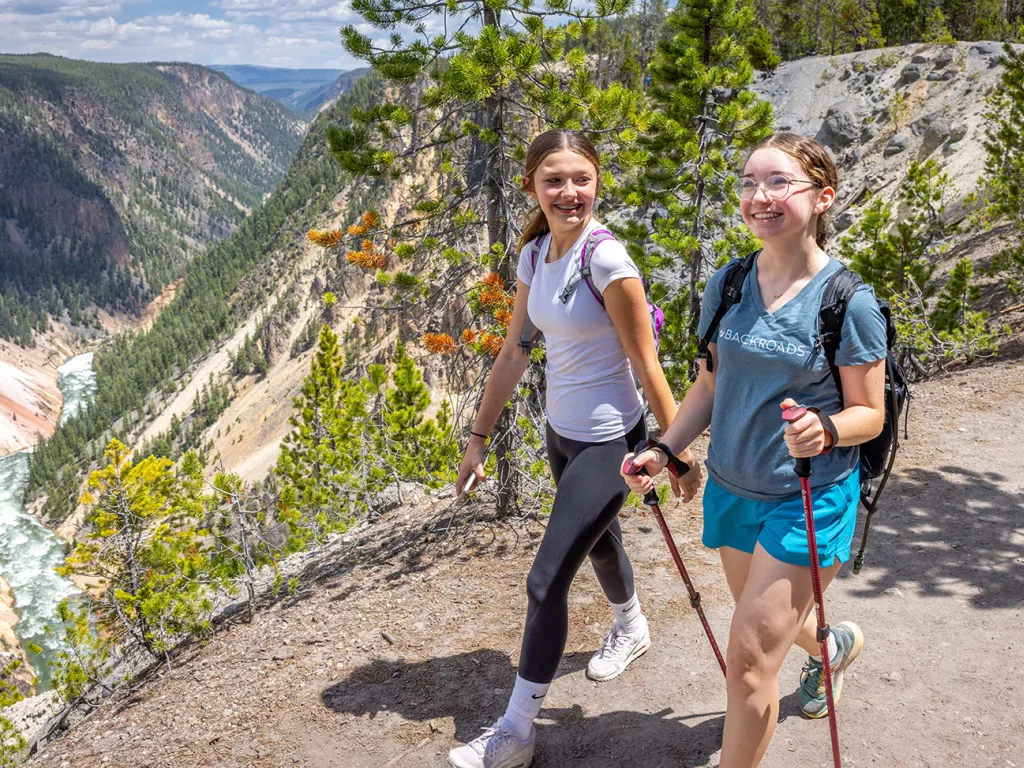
(813, 701)
(496, 747)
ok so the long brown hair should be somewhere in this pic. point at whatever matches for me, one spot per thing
(555, 140)
(817, 163)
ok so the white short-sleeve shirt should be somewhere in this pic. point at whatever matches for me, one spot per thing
(591, 392)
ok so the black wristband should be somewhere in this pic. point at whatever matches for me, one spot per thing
(676, 466)
(829, 427)
(477, 434)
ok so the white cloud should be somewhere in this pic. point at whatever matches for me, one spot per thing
(198, 37)
(296, 33)
(61, 7)
(294, 10)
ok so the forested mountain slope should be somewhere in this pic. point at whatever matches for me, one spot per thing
(257, 279)
(114, 176)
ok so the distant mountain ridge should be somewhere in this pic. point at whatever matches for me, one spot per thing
(297, 89)
(113, 176)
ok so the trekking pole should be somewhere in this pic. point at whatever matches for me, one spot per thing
(651, 500)
(803, 471)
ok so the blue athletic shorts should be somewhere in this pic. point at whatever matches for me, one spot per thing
(740, 523)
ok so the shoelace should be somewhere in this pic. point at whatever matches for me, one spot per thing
(616, 642)
(812, 679)
(491, 737)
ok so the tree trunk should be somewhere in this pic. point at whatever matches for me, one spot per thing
(498, 169)
(696, 264)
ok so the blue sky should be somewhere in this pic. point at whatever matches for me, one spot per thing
(275, 33)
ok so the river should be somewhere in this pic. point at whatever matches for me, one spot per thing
(29, 552)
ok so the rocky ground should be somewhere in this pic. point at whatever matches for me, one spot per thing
(403, 638)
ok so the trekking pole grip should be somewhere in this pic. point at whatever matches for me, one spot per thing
(801, 466)
(630, 468)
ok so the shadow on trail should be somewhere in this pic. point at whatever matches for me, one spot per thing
(473, 689)
(947, 531)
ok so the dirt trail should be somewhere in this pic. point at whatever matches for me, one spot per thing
(404, 637)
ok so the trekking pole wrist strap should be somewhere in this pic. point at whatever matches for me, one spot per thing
(829, 426)
(676, 466)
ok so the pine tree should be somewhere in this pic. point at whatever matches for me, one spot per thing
(310, 465)
(936, 29)
(898, 259)
(147, 551)
(240, 524)
(706, 116)
(1004, 164)
(488, 91)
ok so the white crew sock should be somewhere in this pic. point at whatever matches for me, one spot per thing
(628, 615)
(524, 706)
(832, 649)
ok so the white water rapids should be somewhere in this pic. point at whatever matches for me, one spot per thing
(29, 552)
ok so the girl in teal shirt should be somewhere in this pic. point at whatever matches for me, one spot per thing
(765, 360)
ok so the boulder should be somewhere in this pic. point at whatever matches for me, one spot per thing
(869, 77)
(845, 220)
(920, 58)
(840, 128)
(948, 75)
(953, 146)
(988, 48)
(919, 126)
(958, 131)
(897, 144)
(934, 77)
(938, 131)
(868, 133)
(944, 58)
(910, 74)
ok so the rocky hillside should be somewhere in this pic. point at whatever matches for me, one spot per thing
(879, 110)
(113, 176)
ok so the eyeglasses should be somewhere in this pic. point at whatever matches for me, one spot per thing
(775, 187)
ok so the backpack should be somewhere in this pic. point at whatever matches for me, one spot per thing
(532, 336)
(878, 454)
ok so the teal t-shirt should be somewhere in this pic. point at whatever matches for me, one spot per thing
(763, 359)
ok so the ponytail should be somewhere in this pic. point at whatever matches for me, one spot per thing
(537, 226)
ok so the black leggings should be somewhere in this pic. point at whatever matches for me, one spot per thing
(584, 521)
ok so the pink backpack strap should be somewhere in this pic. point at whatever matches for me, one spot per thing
(534, 253)
(594, 239)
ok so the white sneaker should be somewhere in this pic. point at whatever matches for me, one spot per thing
(496, 747)
(618, 652)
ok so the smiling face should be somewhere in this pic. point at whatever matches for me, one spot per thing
(793, 216)
(564, 184)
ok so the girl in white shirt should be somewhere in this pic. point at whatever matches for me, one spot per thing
(594, 415)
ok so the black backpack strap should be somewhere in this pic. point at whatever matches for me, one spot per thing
(838, 291)
(732, 291)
